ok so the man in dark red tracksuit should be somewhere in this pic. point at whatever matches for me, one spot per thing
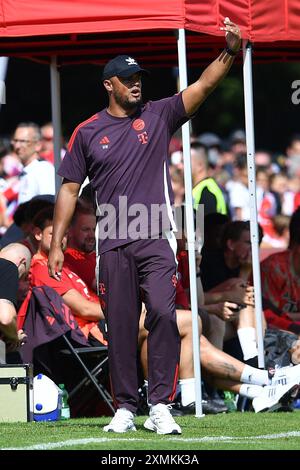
(124, 151)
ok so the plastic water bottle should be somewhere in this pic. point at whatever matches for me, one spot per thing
(65, 409)
(229, 399)
(296, 403)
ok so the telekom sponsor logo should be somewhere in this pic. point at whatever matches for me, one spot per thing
(143, 137)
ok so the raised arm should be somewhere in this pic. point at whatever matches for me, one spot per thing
(195, 94)
(64, 209)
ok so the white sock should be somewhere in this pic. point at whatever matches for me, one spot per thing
(146, 386)
(187, 388)
(247, 337)
(250, 391)
(253, 376)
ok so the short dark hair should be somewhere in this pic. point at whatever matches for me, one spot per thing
(21, 214)
(36, 205)
(43, 216)
(294, 228)
(233, 231)
(83, 207)
(198, 145)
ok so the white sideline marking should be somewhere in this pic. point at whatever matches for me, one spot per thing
(99, 440)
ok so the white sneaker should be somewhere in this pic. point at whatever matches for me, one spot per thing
(285, 375)
(273, 397)
(161, 421)
(123, 421)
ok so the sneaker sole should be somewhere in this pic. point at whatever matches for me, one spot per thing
(119, 432)
(282, 401)
(151, 427)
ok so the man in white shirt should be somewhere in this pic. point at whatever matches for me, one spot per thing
(38, 176)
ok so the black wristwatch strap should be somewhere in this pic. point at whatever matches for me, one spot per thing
(231, 52)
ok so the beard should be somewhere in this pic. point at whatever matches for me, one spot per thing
(127, 104)
(88, 247)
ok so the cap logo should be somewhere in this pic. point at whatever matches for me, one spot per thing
(131, 61)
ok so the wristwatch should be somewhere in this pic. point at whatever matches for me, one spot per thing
(231, 52)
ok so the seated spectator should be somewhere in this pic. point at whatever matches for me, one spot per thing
(230, 265)
(80, 255)
(83, 303)
(15, 231)
(14, 264)
(214, 224)
(21, 229)
(228, 372)
(280, 275)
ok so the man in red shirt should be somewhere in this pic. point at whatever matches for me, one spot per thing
(80, 255)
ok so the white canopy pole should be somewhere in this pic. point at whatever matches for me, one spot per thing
(190, 223)
(56, 118)
(249, 120)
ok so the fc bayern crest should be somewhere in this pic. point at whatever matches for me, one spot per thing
(138, 124)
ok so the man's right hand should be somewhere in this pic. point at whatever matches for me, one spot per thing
(55, 262)
(15, 343)
(227, 311)
(242, 293)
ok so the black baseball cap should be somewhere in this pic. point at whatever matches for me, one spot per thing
(121, 66)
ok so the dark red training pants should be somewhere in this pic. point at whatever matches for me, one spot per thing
(147, 266)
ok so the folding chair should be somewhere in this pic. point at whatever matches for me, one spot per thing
(93, 374)
(45, 319)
